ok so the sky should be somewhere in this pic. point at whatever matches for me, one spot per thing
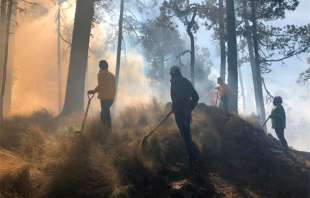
(281, 81)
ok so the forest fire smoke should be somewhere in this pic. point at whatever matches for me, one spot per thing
(34, 64)
(133, 87)
(35, 84)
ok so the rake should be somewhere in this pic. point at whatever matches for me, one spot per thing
(144, 139)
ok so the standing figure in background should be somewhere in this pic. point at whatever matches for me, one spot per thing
(184, 99)
(223, 92)
(106, 92)
(279, 120)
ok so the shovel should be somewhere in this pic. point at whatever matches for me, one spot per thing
(90, 97)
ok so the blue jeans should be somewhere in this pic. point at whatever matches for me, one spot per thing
(105, 114)
(183, 120)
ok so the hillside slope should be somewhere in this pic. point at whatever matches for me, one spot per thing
(44, 157)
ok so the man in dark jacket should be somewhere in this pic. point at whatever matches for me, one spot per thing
(184, 100)
(279, 120)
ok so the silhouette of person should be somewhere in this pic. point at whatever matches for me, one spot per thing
(278, 118)
(223, 92)
(184, 100)
(106, 92)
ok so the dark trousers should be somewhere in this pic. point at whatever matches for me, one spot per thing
(183, 120)
(280, 134)
(224, 103)
(105, 114)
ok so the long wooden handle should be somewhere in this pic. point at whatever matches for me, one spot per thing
(266, 122)
(158, 125)
(90, 97)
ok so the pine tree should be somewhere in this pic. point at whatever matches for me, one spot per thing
(232, 56)
(6, 15)
(75, 91)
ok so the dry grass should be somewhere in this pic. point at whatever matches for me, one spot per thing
(14, 178)
(43, 157)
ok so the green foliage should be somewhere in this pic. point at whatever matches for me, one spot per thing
(163, 47)
(184, 9)
(275, 9)
(288, 41)
(275, 43)
(161, 41)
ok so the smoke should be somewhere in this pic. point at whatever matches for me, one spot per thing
(134, 87)
(35, 72)
(35, 68)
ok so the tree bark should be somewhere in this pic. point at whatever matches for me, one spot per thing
(59, 72)
(260, 96)
(232, 56)
(192, 40)
(2, 31)
(253, 63)
(10, 62)
(6, 37)
(242, 89)
(119, 44)
(75, 90)
(222, 39)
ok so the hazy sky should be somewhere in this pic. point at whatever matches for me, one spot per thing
(281, 81)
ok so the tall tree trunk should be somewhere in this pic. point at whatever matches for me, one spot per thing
(59, 72)
(192, 40)
(222, 39)
(119, 44)
(10, 62)
(232, 56)
(254, 66)
(242, 88)
(75, 91)
(5, 57)
(3, 6)
(260, 97)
